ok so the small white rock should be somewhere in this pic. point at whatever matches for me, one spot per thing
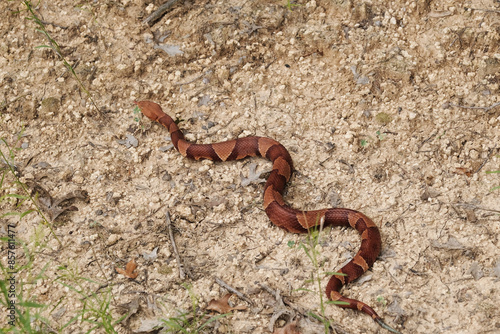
(112, 239)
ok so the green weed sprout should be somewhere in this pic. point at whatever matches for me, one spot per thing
(310, 249)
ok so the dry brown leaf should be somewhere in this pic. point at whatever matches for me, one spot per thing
(53, 207)
(221, 305)
(471, 215)
(129, 269)
(463, 171)
(129, 308)
(290, 328)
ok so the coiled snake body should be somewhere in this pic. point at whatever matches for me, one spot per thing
(279, 213)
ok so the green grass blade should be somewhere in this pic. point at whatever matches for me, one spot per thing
(27, 213)
(337, 302)
(31, 304)
(212, 319)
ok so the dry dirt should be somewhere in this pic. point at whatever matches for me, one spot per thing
(390, 108)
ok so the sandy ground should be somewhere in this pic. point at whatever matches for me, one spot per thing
(390, 108)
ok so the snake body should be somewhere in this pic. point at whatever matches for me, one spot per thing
(282, 215)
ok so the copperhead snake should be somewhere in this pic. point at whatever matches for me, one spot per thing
(279, 213)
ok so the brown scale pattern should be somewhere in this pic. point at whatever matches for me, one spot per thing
(279, 213)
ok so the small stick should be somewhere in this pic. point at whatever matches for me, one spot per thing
(486, 109)
(279, 308)
(485, 160)
(305, 313)
(53, 24)
(473, 206)
(233, 290)
(486, 10)
(190, 81)
(425, 141)
(351, 169)
(275, 294)
(182, 274)
(159, 12)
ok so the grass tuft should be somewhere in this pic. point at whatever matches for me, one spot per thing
(54, 46)
(310, 248)
(192, 321)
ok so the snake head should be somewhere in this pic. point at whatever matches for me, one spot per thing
(150, 109)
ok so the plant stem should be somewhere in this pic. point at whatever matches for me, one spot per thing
(25, 189)
(56, 48)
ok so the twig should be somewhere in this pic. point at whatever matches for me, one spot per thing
(159, 12)
(53, 24)
(268, 289)
(233, 290)
(425, 141)
(279, 308)
(485, 10)
(485, 160)
(299, 309)
(281, 270)
(75, 65)
(486, 109)
(182, 274)
(5, 103)
(351, 168)
(193, 80)
(473, 206)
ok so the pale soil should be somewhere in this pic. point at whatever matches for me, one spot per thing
(316, 79)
